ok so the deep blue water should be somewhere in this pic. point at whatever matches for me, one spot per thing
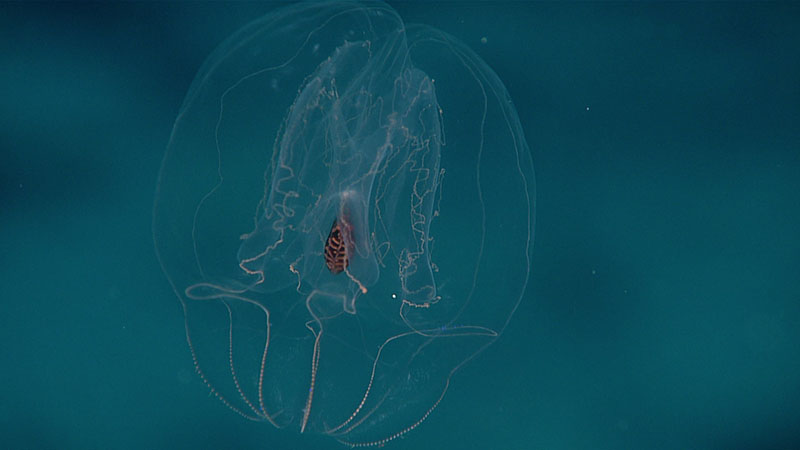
(664, 303)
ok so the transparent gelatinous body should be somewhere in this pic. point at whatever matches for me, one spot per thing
(405, 141)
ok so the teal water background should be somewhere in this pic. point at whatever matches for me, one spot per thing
(664, 305)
